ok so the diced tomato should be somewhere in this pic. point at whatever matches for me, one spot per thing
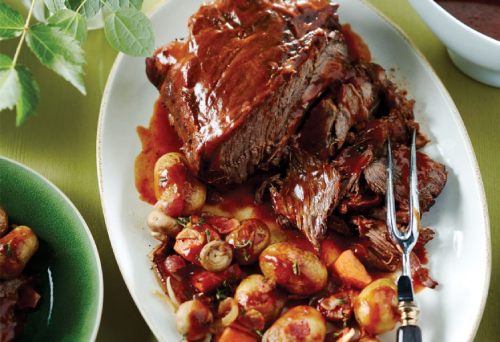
(222, 224)
(236, 332)
(174, 263)
(206, 281)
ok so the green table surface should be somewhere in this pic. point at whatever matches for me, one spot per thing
(59, 142)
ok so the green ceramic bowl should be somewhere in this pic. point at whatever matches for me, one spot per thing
(67, 262)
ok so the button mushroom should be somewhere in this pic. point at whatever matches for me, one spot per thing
(216, 256)
(193, 319)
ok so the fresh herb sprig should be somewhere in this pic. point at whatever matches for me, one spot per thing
(57, 43)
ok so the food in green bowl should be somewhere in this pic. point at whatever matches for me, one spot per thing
(66, 264)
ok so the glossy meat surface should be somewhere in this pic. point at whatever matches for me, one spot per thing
(308, 195)
(237, 87)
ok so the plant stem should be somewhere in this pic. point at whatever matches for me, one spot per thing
(23, 35)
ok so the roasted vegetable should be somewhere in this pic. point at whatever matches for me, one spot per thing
(16, 249)
(375, 308)
(193, 319)
(249, 240)
(351, 270)
(255, 292)
(216, 256)
(301, 323)
(297, 270)
(337, 307)
(161, 225)
(178, 192)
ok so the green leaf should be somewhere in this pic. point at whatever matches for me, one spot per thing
(130, 31)
(88, 8)
(11, 22)
(30, 94)
(9, 84)
(115, 4)
(54, 5)
(59, 52)
(5, 62)
(72, 23)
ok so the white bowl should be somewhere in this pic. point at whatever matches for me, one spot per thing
(476, 54)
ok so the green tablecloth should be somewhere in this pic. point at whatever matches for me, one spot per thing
(60, 143)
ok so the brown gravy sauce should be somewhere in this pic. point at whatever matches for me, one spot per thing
(480, 15)
(160, 138)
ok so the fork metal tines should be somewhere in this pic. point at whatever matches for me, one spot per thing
(406, 240)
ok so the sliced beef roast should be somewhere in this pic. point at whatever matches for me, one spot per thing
(432, 177)
(377, 250)
(307, 195)
(238, 86)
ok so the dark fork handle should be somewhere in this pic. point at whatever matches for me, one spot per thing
(409, 333)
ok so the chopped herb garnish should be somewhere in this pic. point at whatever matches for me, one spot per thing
(222, 291)
(341, 301)
(258, 332)
(201, 220)
(245, 243)
(220, 294)
(243, 311)
(208, 235)
(246, 257)
(8, 249)
(296, 268)
(183, 221)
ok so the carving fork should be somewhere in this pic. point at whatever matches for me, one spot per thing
(406, 240)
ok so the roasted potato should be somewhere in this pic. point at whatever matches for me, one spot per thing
(178, 192)
(297, 270)
(301, 323)
(255, 292)
(193, 319)
(337, 307)
(249, 240)
(16, 249)
(376, 307)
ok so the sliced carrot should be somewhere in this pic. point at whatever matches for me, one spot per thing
(351, 270)
(235, 334)
(330, 252)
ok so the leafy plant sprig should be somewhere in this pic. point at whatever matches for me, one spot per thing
(57, 43)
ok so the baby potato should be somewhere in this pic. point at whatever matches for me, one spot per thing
(255, 292)
(298, 271)
(301, 323)
(4, 222)
(249, 240)
(178, 192)
(16, 249)
(193, 319)
(376, 307)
